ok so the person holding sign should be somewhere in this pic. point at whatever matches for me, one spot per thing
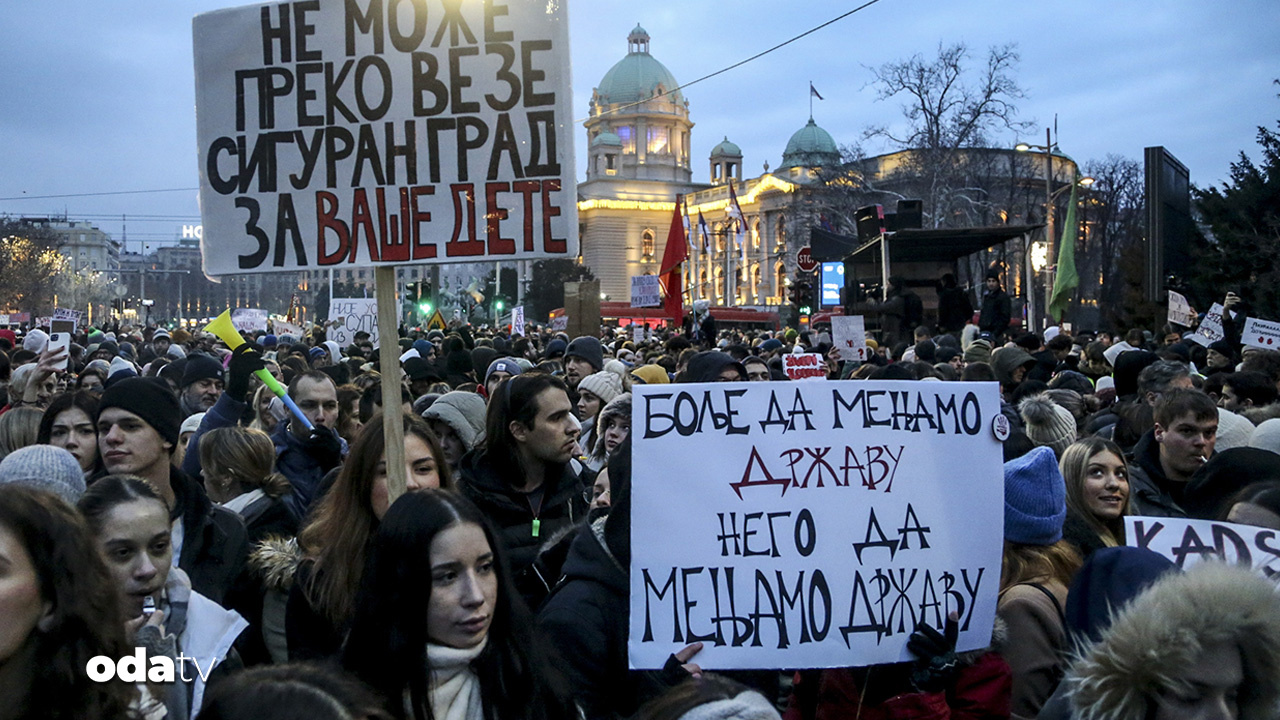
(438, 626)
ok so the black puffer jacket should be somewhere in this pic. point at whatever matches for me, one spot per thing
(512, 514)
(215, 544)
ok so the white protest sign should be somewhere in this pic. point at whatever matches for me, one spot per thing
(1180, 312)
(1261, 334)
(804, 366)
(351, 315)
(637, 334)
(379, 132)
(284, 327)
(1187, 542)
(517, 320)
(249, 320)
(74, 316)
(4, 319)
(560, 323)
(1210, 330)
(833, 519)
(850, 337)
(646, 291)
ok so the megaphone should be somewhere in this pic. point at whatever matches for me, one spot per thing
(226, 331)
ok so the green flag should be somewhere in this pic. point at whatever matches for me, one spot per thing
(1067, 279)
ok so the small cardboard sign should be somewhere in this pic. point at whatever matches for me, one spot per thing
(517, 320)
(804, 366)
(560, 323)
(249, 320)
(1180, 312)
(1210, 330)
(1263, 334)
(850, 337)
(646, 291)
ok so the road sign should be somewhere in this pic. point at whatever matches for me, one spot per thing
(437, 321)
(805, 261)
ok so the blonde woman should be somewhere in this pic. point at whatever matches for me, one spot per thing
(1097, 484)
(238, 465)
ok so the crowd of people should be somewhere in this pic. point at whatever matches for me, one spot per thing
(159, 502)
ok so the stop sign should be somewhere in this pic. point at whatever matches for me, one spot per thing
(805, 261)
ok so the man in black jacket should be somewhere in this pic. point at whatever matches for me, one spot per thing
(138, 421)
(1182, 441)
(525, 478)
(997, 308)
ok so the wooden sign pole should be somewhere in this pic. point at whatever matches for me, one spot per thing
(389, 366)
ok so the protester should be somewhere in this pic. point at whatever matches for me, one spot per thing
(68, 423)
(1097, 493)
(709, 696)
(44, 467)
(612, 427)
(294, 691)
(201, 384)
(457, 419)
(131, 526)
(1200, 644)
(1165, 458)
(582, 357)
(997, 309)
(58, 609)
(522, 479)
(594, 392)
(1036, 570)
(439, 628)
(334, 542)
(19, 428)
(138, 422)
(239, 474)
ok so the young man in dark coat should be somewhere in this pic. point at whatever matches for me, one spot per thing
(997, 307)
(138, 421)
(1186, 428)
(523, 479)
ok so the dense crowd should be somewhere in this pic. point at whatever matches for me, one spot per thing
(162, 508)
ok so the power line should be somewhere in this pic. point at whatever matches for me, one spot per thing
(740, 63)
(100, 194)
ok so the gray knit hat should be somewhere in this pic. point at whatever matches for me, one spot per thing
(462, 410)
(44, 467)
(1048, 423)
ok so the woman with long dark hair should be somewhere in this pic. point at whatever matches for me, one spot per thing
(68, 423)
(58, 609)
(469, 654)
(334, 543)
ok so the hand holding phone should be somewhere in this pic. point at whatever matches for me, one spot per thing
(57, 353)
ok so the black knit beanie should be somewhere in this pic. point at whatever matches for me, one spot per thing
(150, 399)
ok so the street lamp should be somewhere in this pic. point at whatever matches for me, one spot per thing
(1050, 251)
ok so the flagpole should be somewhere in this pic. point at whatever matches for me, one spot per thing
(810, 99)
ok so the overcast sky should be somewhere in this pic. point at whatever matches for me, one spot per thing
(98, 96)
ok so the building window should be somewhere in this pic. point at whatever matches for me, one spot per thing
(781, 235)
(755, 279)
(659, 139)
(720, 233)
(627, 134)
(646, 246)
(755, 234)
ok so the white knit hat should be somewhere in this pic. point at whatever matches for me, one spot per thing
(1267, 436)
(44, 467)
(604, 385)
(1233, 430)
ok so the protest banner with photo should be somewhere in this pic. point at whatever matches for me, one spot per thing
(517, 320)
(559, 323)
(646, 291)
(348, 316)
(817, 523)
(280, 326)
(1210, 330)
(75, 317)
(377, 132)
(849, 334)
(249, 320)
(1263, 334)
(804, 366)
(1180, 312)
(1187, 542)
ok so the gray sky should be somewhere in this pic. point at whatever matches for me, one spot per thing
(98, 96)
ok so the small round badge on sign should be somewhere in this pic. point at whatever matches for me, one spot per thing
(1000, 427)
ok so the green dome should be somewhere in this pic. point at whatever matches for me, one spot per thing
(606, 138)
(810, 146)
(636, 76)
(726, 148)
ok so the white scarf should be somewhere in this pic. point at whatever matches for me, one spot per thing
(454, 687)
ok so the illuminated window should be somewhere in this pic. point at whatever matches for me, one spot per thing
(755, 234)
(779, 278)
(659, 139)
(646, 246)
(720, 233)
(781, 235)
(755, 279)
(627, 134)
(718, 288)
(704, 286)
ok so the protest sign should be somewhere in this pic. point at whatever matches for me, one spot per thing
(4, 319)
(517, 320)
(1210, 330)
(1263, 334)
(637, 334)
(804, 366)
(75, 317)
(1180, 312)
(348, 316)
(646, 291)
(249, 320)
(284, 327)
(559, 323)
(816, 524)
(378, 132)
(850, 337)
(1187, 542)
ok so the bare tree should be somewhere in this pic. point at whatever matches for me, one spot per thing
(1112, 215)
(951, 109)
(30, 266)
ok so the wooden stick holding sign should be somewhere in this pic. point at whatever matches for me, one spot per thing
(389, 365)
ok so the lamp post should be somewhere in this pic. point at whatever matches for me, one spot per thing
(1051, 250)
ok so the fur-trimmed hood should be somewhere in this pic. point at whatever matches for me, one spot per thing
(1159, 636)
(276, 561)
(1259, 415)
(619, 407)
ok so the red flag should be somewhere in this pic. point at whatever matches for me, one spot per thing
(675, 254)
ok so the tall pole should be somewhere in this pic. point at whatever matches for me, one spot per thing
(1048, 219)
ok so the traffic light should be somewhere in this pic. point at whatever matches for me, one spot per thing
(802, 292)
(424, 307)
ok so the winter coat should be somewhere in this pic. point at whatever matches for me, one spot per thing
(1151, 493)
(1156, 640)
(954, 309)
(1036, 646)
(561, 504)
(303, 471)
(996, 313)
(1004, 361)
(587, 616)
(274, 564)
(215, 543)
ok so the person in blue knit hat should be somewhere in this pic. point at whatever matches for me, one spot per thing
(1036, 571)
